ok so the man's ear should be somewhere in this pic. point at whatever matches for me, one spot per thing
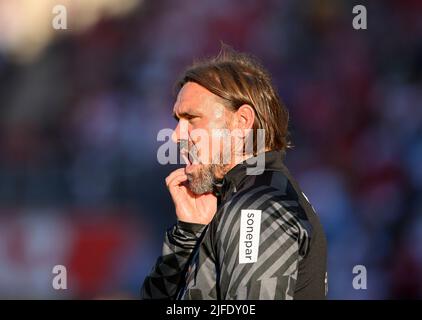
(245, 117)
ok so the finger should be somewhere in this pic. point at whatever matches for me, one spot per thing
(177, 180)
(174, 174)
(176, 184)
(169, 179)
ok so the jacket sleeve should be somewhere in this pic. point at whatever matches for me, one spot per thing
(259, 249)
(164, 278)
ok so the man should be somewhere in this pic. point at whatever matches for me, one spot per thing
(241, 232)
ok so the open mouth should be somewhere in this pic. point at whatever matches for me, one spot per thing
(189, 154)
(185, 156)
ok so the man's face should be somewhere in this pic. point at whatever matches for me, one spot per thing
(200, 114)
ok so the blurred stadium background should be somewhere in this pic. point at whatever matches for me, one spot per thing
(80, 110)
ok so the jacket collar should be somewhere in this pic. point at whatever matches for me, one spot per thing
(235, 176)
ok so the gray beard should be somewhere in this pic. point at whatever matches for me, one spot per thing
(203, 181)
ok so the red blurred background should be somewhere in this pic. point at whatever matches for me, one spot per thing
(80, 184)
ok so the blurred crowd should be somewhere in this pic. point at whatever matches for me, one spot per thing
(80, 182)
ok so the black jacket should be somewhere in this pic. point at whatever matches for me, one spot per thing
(264, 242)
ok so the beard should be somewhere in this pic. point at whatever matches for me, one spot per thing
(205, 176)
(202, 180)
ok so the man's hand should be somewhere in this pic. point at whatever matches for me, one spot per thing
(190, 207)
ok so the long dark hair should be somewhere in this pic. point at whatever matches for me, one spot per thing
(239, 79)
